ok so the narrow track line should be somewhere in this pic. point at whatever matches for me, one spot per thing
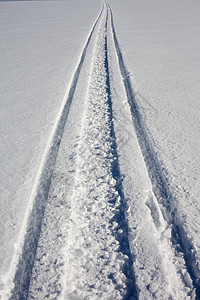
(119, 218)
(160, 187)
(31, 228)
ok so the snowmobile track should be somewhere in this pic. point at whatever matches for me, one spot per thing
(97, 226)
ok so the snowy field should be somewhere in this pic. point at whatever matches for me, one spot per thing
(100, 149)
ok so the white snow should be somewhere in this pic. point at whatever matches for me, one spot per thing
(120, 217)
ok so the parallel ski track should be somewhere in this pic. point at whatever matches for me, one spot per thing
(120, 218)
(160, 186)
(42, 185)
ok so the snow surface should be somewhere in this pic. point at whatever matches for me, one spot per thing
(119, 219)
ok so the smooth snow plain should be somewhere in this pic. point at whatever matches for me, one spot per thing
(120, 219)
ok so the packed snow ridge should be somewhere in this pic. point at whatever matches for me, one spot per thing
(103, 224)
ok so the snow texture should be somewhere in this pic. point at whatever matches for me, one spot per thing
(109, 216)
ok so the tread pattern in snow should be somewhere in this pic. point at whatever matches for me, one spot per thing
(100, 236)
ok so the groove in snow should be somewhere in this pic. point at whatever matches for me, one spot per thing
(99, 246)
